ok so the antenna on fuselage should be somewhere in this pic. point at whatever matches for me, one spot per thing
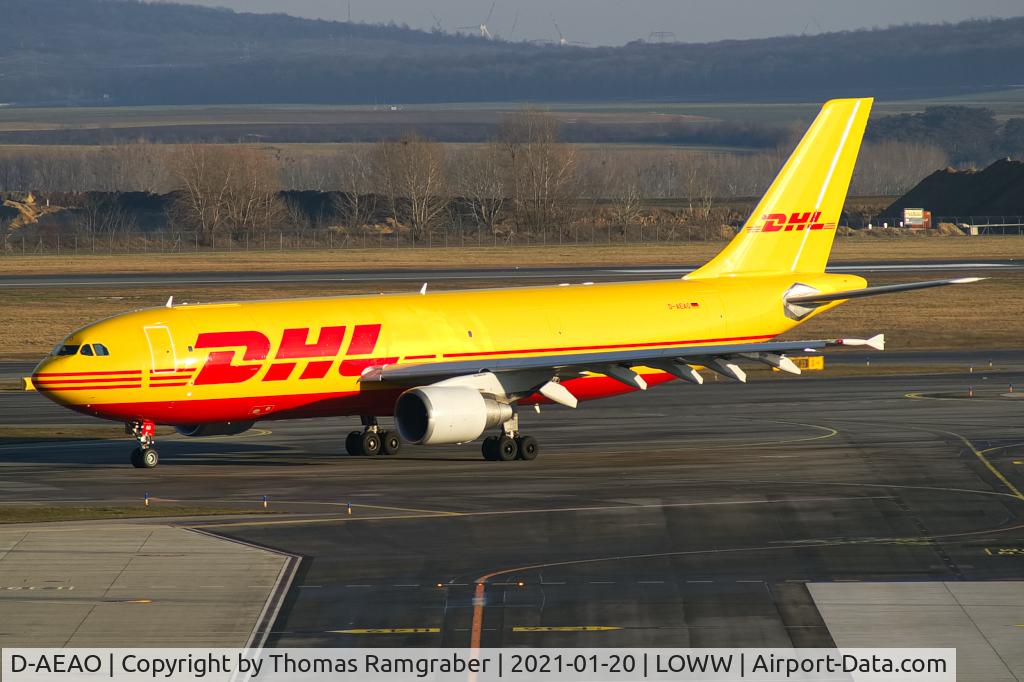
(170, 302)
(423, 289)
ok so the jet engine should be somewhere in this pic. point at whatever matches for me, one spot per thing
(214, 429)
(447, 414)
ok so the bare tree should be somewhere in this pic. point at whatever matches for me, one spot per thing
(225, 188)
(480, 182)
(615, 178)
(137, 166)
(626, 203)
(13, 172)
(699, 188)
(541, 172)
(357, 202)
(892, 168)
(5, 226)
(412, 173)
(100, 213)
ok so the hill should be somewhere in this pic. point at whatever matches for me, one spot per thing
(130, 53)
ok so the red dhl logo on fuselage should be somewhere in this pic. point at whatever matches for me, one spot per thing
(295, 348)
(794, 222)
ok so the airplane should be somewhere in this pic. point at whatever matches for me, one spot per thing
(449, 366)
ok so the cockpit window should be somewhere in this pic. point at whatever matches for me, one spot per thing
(67, 350)
(86, 349)
(101, 350)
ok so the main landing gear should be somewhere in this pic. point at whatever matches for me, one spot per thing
(372, 440)
(510, 444)
(145, 456)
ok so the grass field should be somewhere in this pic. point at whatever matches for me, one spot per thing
(1005, 103)
(32, 119)
(852, 249)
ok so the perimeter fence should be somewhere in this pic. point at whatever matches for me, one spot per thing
(133, 242)
(183, 241)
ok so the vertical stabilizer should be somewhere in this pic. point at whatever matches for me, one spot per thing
(793, 226)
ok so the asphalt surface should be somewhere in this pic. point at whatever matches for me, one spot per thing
(520, 275)
(689, 516)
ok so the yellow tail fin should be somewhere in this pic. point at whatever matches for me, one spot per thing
(793, 226)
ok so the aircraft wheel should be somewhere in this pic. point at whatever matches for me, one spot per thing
(506, 448)
(391, 443)
(354, 443)
(528, 449)
(370, 443)
(145, 458)
(490, 449)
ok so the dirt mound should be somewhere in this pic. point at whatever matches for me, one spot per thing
(996, 190)
(24, 213)
(948, 229)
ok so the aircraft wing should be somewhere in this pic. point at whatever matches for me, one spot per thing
(617, 363)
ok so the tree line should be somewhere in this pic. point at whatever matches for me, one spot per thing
(524, 179)
(121, 52)
(968, 135)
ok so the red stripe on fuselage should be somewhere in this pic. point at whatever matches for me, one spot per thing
(87, 388)
(85, 374)
(50, 383)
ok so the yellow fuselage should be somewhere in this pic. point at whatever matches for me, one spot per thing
(192, 364)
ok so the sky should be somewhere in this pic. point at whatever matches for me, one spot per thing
(615, 22)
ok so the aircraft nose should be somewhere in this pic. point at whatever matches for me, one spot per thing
(49, 375)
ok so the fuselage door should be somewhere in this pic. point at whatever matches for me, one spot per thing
(161, 350)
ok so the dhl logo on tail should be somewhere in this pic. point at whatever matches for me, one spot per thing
(779, 222)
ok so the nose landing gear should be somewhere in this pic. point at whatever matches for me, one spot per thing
(145, 456)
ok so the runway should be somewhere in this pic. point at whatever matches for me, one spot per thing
(689, 516)
(519, 275)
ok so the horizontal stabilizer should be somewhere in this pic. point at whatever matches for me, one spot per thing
(803, 299)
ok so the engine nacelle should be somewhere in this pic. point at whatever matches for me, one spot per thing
(447, 414)
(215, 429)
